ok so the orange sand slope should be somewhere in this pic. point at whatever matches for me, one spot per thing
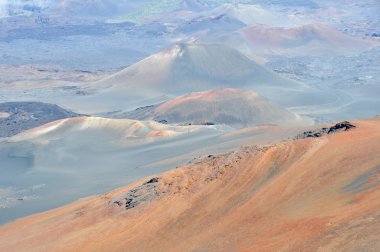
(316, 194)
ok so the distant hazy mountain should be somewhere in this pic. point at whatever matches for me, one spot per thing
(24, 7)
(312, 39)
(121, 9)
(251, 14)
(98, 9)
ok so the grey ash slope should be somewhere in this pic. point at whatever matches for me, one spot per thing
(16, 117)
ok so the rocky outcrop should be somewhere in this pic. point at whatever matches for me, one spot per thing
(140, 194)
(339, 127)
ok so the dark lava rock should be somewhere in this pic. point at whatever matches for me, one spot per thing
(153, 180)
(162, 121)
(342, 126)
(339, 127)
(146, 192)
(27, 115)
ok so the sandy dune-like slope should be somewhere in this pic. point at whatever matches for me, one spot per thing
(228, 106)
(124, 129)
(315, 194)
(311, 39)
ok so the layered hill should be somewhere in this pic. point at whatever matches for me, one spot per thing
(232, 107)
(318, 193)
(311, 39)
(128, 129)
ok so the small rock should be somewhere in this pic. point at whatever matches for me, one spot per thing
(153, 180)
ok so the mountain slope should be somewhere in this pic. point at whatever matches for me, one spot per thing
(305, 195)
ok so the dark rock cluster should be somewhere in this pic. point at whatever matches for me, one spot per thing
(140, 194)
(342, 126)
